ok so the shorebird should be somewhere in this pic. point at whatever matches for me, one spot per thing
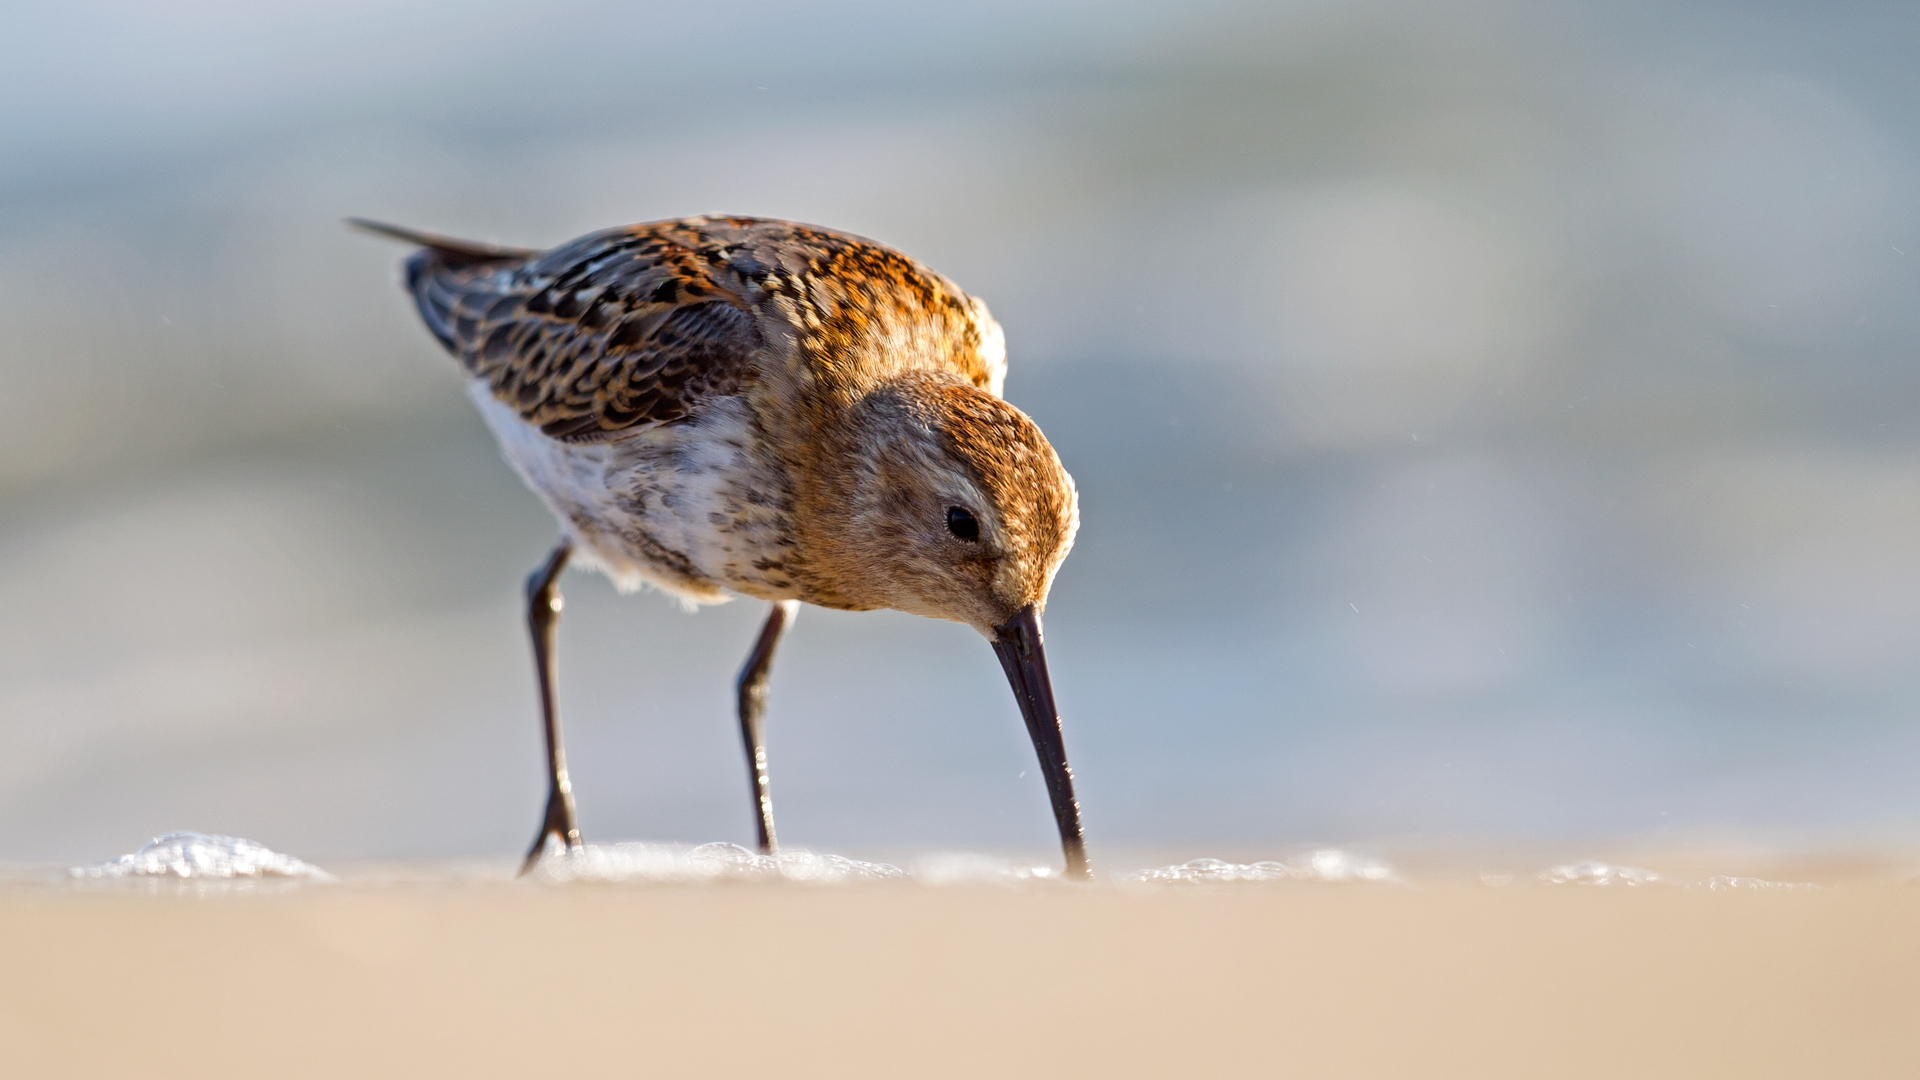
(735, 405)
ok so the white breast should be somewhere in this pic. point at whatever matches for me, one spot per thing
(687, 508)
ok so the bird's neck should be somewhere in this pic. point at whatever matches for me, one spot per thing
(836, 442)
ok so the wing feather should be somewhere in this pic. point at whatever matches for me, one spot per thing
(636, 326)
(618, 329)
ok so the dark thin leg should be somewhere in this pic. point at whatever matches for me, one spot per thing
(752, 688)
(543, 614)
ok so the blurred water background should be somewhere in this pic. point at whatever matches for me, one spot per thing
(1493, 420)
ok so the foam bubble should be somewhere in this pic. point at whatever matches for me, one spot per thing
(635, 861)
(201, 856)
(1598, 873)
(965, 868)
(1724, 883)
(1325, 865)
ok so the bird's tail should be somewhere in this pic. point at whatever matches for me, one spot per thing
(452, 252)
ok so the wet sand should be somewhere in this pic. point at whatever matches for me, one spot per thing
(1450, 978)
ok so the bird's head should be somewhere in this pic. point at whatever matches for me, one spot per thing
(955, 506)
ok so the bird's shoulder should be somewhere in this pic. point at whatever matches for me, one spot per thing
(637, 325)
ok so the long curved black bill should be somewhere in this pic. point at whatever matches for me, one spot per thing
(1017, 643)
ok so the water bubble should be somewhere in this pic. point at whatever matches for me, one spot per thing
(966, 868)
(202, 856)
(1724, 883)
(1325, 865)
(1598, 873)
(635, 861)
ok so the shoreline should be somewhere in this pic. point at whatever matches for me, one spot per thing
(436, 974)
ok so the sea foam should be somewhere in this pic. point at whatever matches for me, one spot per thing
(201, 856)
(1323, 865)
(1599, 873)
(1724, 883)
(642, 862)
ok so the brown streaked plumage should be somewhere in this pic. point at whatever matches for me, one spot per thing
(742, 405)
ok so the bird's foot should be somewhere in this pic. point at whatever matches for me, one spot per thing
(557, 830)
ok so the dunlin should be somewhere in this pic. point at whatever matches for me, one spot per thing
(732, 405)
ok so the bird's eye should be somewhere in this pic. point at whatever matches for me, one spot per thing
(961, 524)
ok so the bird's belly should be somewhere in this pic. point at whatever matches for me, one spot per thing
(689, 507)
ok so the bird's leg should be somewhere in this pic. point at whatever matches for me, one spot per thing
(543, 614)
(752, 690)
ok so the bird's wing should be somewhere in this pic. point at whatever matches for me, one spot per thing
(619, 329)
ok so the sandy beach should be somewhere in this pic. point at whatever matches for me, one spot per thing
(1492, 430)
(1447, 977)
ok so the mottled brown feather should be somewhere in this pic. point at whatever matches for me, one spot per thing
(638, 325)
